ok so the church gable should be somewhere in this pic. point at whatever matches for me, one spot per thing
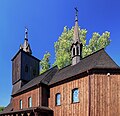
(105, 61)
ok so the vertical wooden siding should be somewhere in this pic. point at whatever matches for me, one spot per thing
(34, 94)
(67, 108)
(105, 95)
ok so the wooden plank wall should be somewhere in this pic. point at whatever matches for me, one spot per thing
(67, 108)
(16, 68)
(34, 94)
(105, 95)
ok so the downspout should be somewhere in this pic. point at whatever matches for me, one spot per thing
(89, 93)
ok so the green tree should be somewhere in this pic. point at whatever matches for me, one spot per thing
(1, 109)
(62, 46)
(45, 63)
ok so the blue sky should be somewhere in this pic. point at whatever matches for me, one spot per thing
(45, 20)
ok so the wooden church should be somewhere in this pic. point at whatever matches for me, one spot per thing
(90, 86)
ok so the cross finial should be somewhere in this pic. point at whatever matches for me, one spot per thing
(76, 13)
(76, 10)
(26, 29)
(26, 33)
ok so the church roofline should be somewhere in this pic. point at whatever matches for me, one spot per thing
(37, 81)
(69, 75)
(97, 60)
(21, 50)
(96, 70)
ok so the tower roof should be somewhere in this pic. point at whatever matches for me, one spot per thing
(26, 45)
(76, 28)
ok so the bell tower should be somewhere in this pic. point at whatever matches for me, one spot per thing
(76, 48)
(25, 67)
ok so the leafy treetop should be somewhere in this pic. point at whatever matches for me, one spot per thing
(45, 63)
(62, 46)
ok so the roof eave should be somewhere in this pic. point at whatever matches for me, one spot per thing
(105, 70)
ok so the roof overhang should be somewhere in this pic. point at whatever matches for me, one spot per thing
(26, 54)
(83, 74)
(28, 110)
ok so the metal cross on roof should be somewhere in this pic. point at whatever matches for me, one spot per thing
(76, 11)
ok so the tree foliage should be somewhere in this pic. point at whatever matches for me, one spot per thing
(45, 63)
(1, 109)
(62, 46)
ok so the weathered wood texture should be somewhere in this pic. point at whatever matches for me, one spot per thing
(105, 95)
(33, 67)
(16, 68)
(34, 94)
(19, 64)
(99, 96)
(67, 108)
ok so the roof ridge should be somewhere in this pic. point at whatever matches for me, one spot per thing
(93, 53)
(83, 58)
(47, 70)
(98, 59)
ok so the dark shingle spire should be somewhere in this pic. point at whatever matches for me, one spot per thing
(76, 47)
(76, 28)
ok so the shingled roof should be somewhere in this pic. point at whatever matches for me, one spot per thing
(27, 110)
(99, 59)
(9, 108)
(43, 78)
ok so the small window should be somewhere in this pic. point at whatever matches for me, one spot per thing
(73, 51)
(75, 95)
(26, 68)
(20, 104)
(29, 102)
(58, 99)
(77, 50)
